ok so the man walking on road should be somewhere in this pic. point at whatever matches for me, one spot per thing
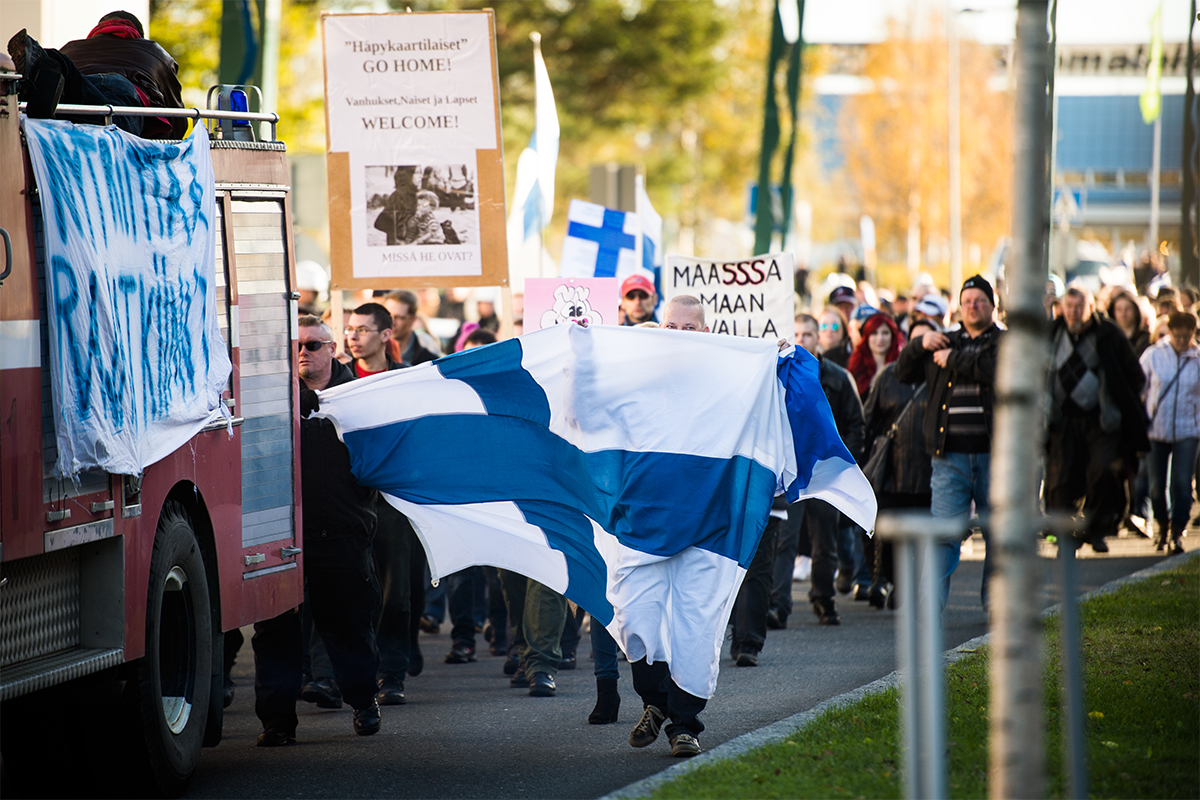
(960, 369)
(662, 698)
(339, 524)
(1097, 424)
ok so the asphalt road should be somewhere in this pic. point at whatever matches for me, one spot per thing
(465, 734)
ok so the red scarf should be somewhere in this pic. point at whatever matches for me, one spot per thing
(121, 28)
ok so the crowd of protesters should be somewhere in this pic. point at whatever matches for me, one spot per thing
(909, 377)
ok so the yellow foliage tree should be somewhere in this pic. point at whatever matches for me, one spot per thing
(895, 140)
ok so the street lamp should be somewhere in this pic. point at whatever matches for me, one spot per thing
(956, 276)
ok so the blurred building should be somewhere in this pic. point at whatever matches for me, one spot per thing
(1104, 150)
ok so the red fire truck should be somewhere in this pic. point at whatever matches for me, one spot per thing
(116, 590)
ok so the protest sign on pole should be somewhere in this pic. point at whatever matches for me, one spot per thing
(416, 179)
(552, 301)
(755, 297)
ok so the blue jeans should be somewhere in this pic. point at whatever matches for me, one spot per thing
(1172, 482)
(958, 479)
(604, 652)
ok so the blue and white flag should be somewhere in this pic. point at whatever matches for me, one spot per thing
(137, 361)
(606, 243)
(533, 196)
(632, 470)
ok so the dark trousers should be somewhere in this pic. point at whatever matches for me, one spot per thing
(537, 614)
(1171, 467)
(787, 547)
(750, 609)
(393, 555)
(276, 644)
(1084, 461)
(821, 523)
(883, 564)
(344, 599)
(465, 590)
(654, 685)
(497, 612)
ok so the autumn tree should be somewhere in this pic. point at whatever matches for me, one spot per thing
(895, 144)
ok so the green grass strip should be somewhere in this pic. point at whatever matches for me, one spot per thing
(1141, 654)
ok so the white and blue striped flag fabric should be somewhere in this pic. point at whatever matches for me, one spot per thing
(632, 470)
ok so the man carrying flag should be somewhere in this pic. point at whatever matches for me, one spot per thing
(647, 520)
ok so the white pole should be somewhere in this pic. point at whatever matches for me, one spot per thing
(639, 186)
(955, 159)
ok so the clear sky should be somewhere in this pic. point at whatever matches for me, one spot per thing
(1079, 21)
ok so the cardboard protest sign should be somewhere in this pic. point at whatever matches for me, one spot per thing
(137, 362)
(416, 181)
(552, 301)
(755, 297)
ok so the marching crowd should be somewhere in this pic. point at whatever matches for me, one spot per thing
(910, 381)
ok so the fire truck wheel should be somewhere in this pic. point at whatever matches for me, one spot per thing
(173, 680)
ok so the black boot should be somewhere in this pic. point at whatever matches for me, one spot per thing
(1160, 534)
(608, 700)
(1177, 537)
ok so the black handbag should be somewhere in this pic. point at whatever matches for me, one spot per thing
(876, 468)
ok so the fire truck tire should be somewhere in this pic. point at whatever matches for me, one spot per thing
(173, 681)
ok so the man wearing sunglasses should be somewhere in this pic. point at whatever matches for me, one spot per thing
(638, 300)
(340, 584)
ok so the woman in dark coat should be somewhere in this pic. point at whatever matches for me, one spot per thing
(905, 482)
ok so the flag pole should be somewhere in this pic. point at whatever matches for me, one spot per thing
(537, 46)
(639, 186)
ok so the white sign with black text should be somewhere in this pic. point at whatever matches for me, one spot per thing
(755, 297)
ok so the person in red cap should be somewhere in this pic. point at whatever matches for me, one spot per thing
(638, 300)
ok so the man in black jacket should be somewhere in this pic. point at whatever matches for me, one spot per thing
(1097, 423)
(339, 525)
(819, 519)
(960, 369)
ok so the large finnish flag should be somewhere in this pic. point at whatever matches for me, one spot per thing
(632, 470)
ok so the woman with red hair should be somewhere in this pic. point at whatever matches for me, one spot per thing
(880, 346)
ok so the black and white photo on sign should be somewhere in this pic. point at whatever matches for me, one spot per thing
(418, 204)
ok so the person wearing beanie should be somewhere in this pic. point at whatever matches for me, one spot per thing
(960, 369)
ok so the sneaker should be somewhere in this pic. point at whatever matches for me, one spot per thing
(429, 624)
(322, 691)
(391, 691)
(460, 653)
(747, 658)
(826, 611)
(684, 745)
(802, 568)
(646, 731)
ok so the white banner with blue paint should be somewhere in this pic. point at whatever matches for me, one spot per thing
(630, 469)
(137, 362)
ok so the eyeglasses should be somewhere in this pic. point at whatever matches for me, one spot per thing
(311, 347)
(831, 326)
(361, 330)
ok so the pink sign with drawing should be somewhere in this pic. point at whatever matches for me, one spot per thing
(552, 301)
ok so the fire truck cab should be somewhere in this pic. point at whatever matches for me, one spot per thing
(116, 590)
